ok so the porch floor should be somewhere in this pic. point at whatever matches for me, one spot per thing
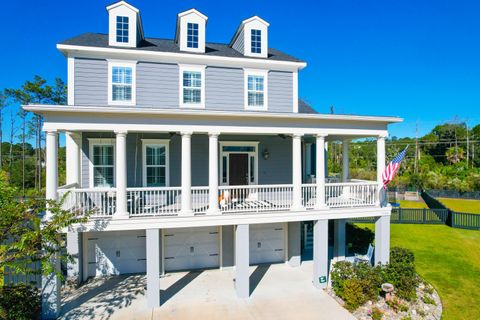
(277, 292)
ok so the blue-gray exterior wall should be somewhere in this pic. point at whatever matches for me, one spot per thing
(158, 86)
(275, 170)
(239, 42)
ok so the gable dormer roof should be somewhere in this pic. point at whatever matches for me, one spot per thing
(137, 27)
(196, 41)
(251, 38)
(242, 25)
(185, 13)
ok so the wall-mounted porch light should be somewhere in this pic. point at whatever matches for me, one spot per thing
(266, 154)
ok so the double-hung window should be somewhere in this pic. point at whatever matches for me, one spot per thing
(256, 97)
(102, 157)
(192, 86)
(256, 41)
(122, 29)
(122, 83)
(155, 163)
(192, 35)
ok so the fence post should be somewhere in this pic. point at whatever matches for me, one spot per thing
(424, 215)
(452, 219)
(400, 214)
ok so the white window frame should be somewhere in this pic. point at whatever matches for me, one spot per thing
(194, 68)
(156, 142)
(95, 142)
(261, 73)
(222, 153)
(128, 64)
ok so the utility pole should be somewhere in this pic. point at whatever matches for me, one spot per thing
(468, 154)
(416, 147)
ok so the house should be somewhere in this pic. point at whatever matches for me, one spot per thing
(189, 154)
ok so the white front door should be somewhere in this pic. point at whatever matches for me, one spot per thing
(191, 248)
(267, 243)
(115, 252)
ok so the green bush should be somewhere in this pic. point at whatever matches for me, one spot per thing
(401, 273)
(19, 302)
(342, 272)
(353, 294)
(376, 314)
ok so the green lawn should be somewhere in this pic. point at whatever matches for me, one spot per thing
(449, 259)
(412, 204)
(462, 205)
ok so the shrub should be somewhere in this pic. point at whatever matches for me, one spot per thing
(396, 305)
(371, 278)
(342, 271)
(401, 273)
(353, 294)
(19, 302)
(376, 314)
(429, 300)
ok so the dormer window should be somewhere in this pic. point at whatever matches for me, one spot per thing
(122, 29)
(192, 35)
(256, 38)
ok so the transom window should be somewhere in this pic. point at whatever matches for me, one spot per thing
(256, 43)
(192, 35)
(121, 83)
(103, 165)
(255, 91)
(192, 87)
(122, 29)
(155, 163)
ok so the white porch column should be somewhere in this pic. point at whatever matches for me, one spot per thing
(51, 283)
(242, 260)
(74, 268)
(382, 240)
(326, 159)
(213, 173)
(345, 161)
(121, 174)
(320, 253)
(339, 239)
(320, 168)
(73, 144)
(187, 173)
(380, 168)
(153, 267)
(297, 172)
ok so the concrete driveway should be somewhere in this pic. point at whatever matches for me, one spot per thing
(277, 292)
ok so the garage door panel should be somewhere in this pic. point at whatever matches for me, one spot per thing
(192, 248)
(267, 243)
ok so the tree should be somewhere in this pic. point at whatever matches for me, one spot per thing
(25, 237)
(3, 103)
(455, 155)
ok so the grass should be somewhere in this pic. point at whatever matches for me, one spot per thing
(462, 205)
(447, 258)
(412, 204)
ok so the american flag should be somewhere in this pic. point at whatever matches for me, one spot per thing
(392, 168)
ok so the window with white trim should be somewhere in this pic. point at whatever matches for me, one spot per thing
(256, 41)
(122, 82)
(155, 163)
(256, 91)
(122, 29)
(192, 86)
(192, 35)
(103, 164)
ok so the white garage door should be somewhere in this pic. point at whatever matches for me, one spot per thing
(267, 243)
(191, 248)
(115, 252)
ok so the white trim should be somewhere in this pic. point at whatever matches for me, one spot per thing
(156, 142)
(122, 3)
(179, 57)
(295, 91)
(71, 81)
(99, 141)
(128, 64)
(255, 72)
(222, 153)
(194, 68)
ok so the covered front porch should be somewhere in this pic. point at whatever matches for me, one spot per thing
(167, 174)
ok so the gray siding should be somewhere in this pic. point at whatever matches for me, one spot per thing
(239, 42)
(275, 170)
(224, 89)
(157, 85)
(91, 81)
(227, 246)
(280, 91)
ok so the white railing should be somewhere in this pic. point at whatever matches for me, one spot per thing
(199, 199)
(96, 202)
(309, 197)
(153, 201)
(255, 198)
(351, 194)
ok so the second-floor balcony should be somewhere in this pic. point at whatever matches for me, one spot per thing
(167, 201)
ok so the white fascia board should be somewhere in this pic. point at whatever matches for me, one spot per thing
(201, 15)
(256, 18)
(207, 113)
(233, 219)
(178, 57)
(122, 3)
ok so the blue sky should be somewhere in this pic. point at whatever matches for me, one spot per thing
(419, 60)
